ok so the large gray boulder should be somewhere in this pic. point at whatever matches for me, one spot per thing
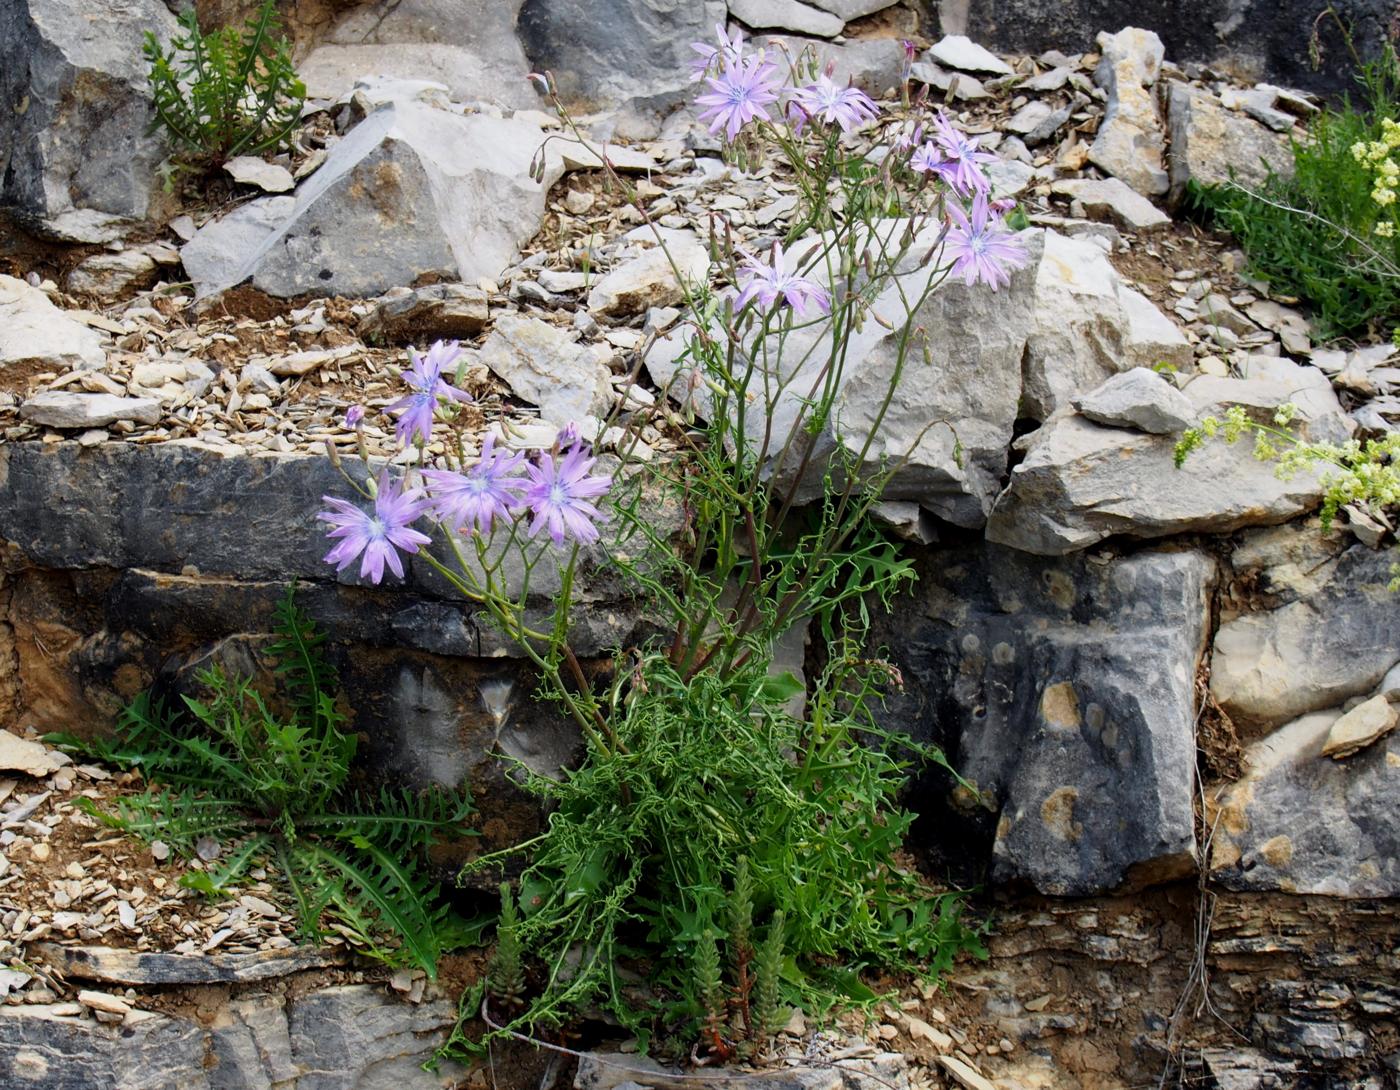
(1080, 747)
(1332, 633)
(1089, 325)
(470, 46)
(76, 109)
(412, 190)
(611, 53)
(950, 421)
(1301, 822)
(1081, 482)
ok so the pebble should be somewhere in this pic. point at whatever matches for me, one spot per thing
(40, 852)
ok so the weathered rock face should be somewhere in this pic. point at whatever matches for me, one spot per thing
(1209, 142)
(1033, 675)
(1224, 33)
(617, 52)
(951, 418)
(1301, 822)
(1089, 325)
(1082, 482)
(546, 365)
(1332, 632)
(73, 129)
(411, 190)
(468, 45)
(327, 1039)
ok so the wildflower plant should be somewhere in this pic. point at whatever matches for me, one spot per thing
(231, 92)
(704, 806)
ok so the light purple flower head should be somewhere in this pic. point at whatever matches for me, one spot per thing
(962, 158)
(739, 94)
(481, 495)
(848, 107)
(767, 283)
(560, 495)
(415, 410)
(380, 535)
(354, 416)
(982, 247)
(729, 51)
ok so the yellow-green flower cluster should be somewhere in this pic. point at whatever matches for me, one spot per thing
(1378, 156)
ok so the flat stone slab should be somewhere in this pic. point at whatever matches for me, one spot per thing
(113, 966)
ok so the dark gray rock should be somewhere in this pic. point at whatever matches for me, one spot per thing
(1032, 675)
(418, 316)
(358, 1036)
(113, 966)
(40, 1050)
(1300, 822)
(76, 108)
(1234, 35)
(629, 1071)
(615, 52)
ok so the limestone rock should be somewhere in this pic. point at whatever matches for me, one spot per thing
(65, 409)
(1112, 200)
(1089, 325)
(33, 330)
(73, 130)
(1208, 142)
(1030, 673)
(114, 966)
(422, 315)
(411, 190)
(1358, 728)
(847, 10)
(469, 46)
(1140, 398)
(258, 172)
(1082, 482)
(109, 276)
(617, 55)
(951, 421)
(1037, 121)
(786, 15)
(45, 1050)
(960, 52)
(648, 280)
(355, 1035)
(965, 88)
(1130, 144)
(609, 1071)
(1334, 636)
(32, 758)
(1300, 823)
(545, 364)
(873, 64)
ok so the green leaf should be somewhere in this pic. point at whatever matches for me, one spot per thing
(780, 688)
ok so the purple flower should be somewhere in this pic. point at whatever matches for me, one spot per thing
(982, 248)
(482, 494)
(848, 107)
(739, 94)
(767, 282)
(962, 158)
(354, 416)
(380, 535)
(730, 51)
(415, 410)
(558, 496)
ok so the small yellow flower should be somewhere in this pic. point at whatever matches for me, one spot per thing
(1385, 229)
(1358, 151)
(1383, 196)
